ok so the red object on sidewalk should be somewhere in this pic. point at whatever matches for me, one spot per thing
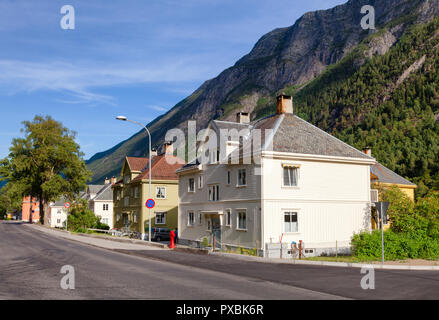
(172, 244)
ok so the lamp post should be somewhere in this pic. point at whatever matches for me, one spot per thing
(122, 118)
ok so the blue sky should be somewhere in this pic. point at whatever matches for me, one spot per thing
(125, 57)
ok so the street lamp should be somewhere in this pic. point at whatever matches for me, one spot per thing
(123, 118)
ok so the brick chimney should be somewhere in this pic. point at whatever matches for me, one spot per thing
(113, 180)
(284, 104)
(169, 148)
(368, 151)
(242, 117)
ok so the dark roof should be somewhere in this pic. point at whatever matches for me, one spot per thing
(385, 175)
(292, 134)
(161, 169)
(95, 188)
(105, 194)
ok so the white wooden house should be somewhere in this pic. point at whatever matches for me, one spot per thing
(301, 184)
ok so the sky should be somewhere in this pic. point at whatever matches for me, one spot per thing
(136, 58)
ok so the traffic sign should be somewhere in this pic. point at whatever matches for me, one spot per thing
(67, 205)
(150, 203)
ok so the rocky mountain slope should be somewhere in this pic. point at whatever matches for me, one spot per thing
(325, 46)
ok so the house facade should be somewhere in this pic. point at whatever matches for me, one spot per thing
(30, 210)
(100, 201)
(300, 185)
(132, 191)
(57, 214)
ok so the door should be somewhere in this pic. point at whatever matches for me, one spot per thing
(216, 230)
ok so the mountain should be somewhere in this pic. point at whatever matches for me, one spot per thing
(317, 60)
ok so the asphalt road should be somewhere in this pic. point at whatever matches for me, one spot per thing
(30, 264)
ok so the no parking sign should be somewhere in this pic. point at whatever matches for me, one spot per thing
(150, 203)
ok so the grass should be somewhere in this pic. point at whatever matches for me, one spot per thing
(349, 259)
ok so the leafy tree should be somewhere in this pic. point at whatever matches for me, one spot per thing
(81, 217)
(47, 163)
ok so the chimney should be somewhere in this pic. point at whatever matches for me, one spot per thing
(113, 180)
(368, 151)
(242, 117)
(153, 152)
(107, 181)
(169, 148)
(284, 104)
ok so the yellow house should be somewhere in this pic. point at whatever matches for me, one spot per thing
(382, 178)
(132, 192)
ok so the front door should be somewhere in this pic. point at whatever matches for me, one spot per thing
(216, 230)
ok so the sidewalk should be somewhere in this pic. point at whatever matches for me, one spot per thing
(106, 242)
(390, 265)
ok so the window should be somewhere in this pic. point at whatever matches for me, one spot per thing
(200, 182)
(58, 211)
(117, 217)
(126, 179)
(105, 207)
(58, 221)
(160, 193)
(214, 193)
(118, 195)
(209, 224)
(136, 192)
(228, 217)
(290, 176)
(229, 180)
(132, 192)
(190, 218)
(105, 221)
(135, 217)
(290, 222)
(200, 218)
(242, 220)
(126, 201)
(215, 156)
(242, 181)
(160, 218)
(191, 186)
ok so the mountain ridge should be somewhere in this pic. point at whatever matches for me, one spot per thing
(290, 58)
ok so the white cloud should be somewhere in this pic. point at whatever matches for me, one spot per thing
(81, 80)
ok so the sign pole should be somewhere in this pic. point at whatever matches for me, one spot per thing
(382, 234)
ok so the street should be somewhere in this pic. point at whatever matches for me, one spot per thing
(31, 261)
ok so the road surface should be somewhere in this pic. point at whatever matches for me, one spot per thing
(31, 260)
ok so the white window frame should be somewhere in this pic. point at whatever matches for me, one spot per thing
(290, 211)
(200, 181)
(200, 219)
(287, 167)
(189, 185)
(238, 178)
(163, 219)
(238, 211)
(135, 217)
(228, 218)
(229, 177)
(156, 192)
(189, 218)
(136, 192)
(213, 192)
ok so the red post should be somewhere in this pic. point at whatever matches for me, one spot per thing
(172, 244)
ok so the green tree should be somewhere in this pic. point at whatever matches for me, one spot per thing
(47, 163)
(81, 217)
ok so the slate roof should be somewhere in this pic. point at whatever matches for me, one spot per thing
(95, 188)
(385, 175)
(292, 134)
(161, 169)
(105, 194)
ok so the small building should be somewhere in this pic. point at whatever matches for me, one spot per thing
(132, 191)
(382, 178)
(301, 185)
(30, 210)
(57, 214)
(100, 201)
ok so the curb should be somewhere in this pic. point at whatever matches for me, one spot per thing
(329, 263)
(142, 242)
